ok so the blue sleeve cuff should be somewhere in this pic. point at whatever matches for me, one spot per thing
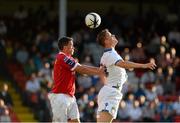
(117, 61)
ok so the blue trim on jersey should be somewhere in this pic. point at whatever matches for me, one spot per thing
(70, 62)
(117, 61)
(107, 49)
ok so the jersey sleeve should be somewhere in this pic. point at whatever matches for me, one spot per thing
(112, 59)
(68, 62)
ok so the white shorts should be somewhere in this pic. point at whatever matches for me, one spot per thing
(108, 100)
(63, 107)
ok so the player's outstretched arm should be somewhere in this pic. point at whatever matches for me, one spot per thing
(90, 70)
(128, 65)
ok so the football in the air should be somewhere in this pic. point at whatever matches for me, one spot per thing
(92, 20)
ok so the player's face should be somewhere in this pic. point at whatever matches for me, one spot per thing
(112, 39)
(70, 48)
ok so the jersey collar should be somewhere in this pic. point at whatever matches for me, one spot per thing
(64, 54)
(107, 49)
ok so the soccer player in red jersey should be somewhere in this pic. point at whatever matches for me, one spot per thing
(62, 99)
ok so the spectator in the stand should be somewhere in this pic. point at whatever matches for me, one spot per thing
(29, 67)
(176, 106)
(32, 91)
(37, 57)
(154, 42)
(121, 42)
(165, 107)
(142, 101)
(78, 37)
(44, 42)
(123, 111)
(135, 114)
(83, 101)
(4, 117)
(38, 61)
(138, 53)
(148, 112)
(166, 116)
(148, 77)
(3, 28)
(150, 92)
(91, 93)
(84, 81)
(89, 112)
(133, 80)
(5, 95)
(33, 85)
(159, 75)
(168, 84)
(21, 13)
(22, 55)
(174, 36)
(168, 59)
(158, 87)
(161, 57)
(42, 111)
(140, 91)
(87, 60)
(129, 101)
(45, 70)
(96, 52)
(2, 107)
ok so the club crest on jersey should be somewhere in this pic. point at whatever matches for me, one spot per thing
(105, 108)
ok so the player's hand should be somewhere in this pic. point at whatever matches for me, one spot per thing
(102, 70)
(150, 65)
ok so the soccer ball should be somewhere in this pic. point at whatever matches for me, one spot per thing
(92, 20)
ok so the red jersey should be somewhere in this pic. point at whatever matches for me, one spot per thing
(64, 74)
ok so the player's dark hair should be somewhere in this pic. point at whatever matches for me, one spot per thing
(101, 37)
(63, 42)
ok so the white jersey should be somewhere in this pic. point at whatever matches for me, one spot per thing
(110, 94)
(116, 76)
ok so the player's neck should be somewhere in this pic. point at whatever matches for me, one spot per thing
(65, 53)
(109, 47)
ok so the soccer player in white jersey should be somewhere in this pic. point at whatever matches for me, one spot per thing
(110, 94)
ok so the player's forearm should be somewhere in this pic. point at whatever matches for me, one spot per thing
(128, 64)
(90, 70)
